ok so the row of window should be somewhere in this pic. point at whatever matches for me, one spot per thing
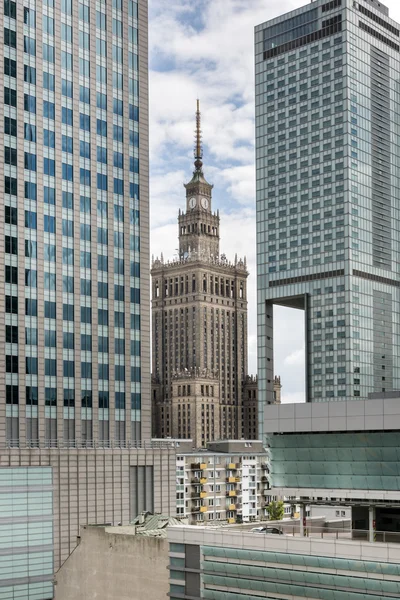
(68, 312)
(69, 396)
(50, 369)
(10, 9)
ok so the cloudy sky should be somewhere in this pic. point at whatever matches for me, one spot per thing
(204, 49)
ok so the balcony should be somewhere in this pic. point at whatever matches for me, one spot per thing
(231, 520)
(232, 507)
(203, 509)
(237, 479)
(231, 494)
(203, 494)
(232, 466)
(231, 479)
(203, 479)
(198, 466)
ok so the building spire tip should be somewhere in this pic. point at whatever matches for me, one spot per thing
(198, 151)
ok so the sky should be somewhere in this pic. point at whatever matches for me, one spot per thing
(204, 49)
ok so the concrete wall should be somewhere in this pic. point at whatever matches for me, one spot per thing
(109, 565)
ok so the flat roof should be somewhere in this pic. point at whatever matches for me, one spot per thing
(377, 414)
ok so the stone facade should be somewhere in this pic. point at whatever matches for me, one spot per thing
(199, 313)
(250, 404)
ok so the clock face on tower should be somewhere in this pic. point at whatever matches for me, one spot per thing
(192, 202)
(204, 203)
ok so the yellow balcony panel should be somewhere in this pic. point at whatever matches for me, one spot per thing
(232, 494)
(231, 479)
(203, 508)
(203, 494)
(203, 466)
(232, 507)
(203, 479)
(231, 520)
(237, 479)
(232, 466)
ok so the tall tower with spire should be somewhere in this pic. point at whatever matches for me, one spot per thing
(199, 318)
(198, 226)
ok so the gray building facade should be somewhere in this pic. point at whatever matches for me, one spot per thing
(327, 194)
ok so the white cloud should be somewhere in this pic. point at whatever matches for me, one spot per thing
(295, 358)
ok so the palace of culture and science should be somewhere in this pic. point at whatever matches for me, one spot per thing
(200, 386)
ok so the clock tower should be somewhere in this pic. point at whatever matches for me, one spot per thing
(198, 226)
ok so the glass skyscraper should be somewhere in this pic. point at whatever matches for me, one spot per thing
(75, 302)
(327, 125)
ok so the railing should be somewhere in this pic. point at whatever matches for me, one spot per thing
(328, 533)
(90, 444)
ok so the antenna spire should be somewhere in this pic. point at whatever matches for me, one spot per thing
(198, 150)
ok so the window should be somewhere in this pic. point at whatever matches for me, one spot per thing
(49, 138)
(68, 312)
(10, 9)
(68, 256)
(84, 40)
(101, 126)
(50, 338)
(67, 228)
(67, 144)
(10, 67)
(49, 224)
(67, 172)
(84, 67)
(118, 160)
(102, 182)
(84, 177)
(118, 133)
(10, 126)
(68, 200)
(84, 94)
(49, 309)
(84, 122)
(66, 33)
(118, 107)
(68, 340)
(66, 60)
(11, 334)
(10, 215)
(30, 219)
(10, 185)
(48, 53)
(10, 38)
(84, 13)
(85, 204)
(66, 88)
(84, 149)
(30, 132)
(10, 156)
(102, 154)
(29, 43)
(49, 110)
(48, 81)
(30, 307)
(29, 102)
(30, 161)
(67, 116)
(12, 305)
(101, 20)
(10, 97)
(49, 166)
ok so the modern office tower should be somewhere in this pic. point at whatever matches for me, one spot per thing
(75, 215)
(74, 366)
(199, 316)
(327, 193)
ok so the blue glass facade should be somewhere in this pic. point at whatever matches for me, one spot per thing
(327, 158)
(26, 533)
(72, 221)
